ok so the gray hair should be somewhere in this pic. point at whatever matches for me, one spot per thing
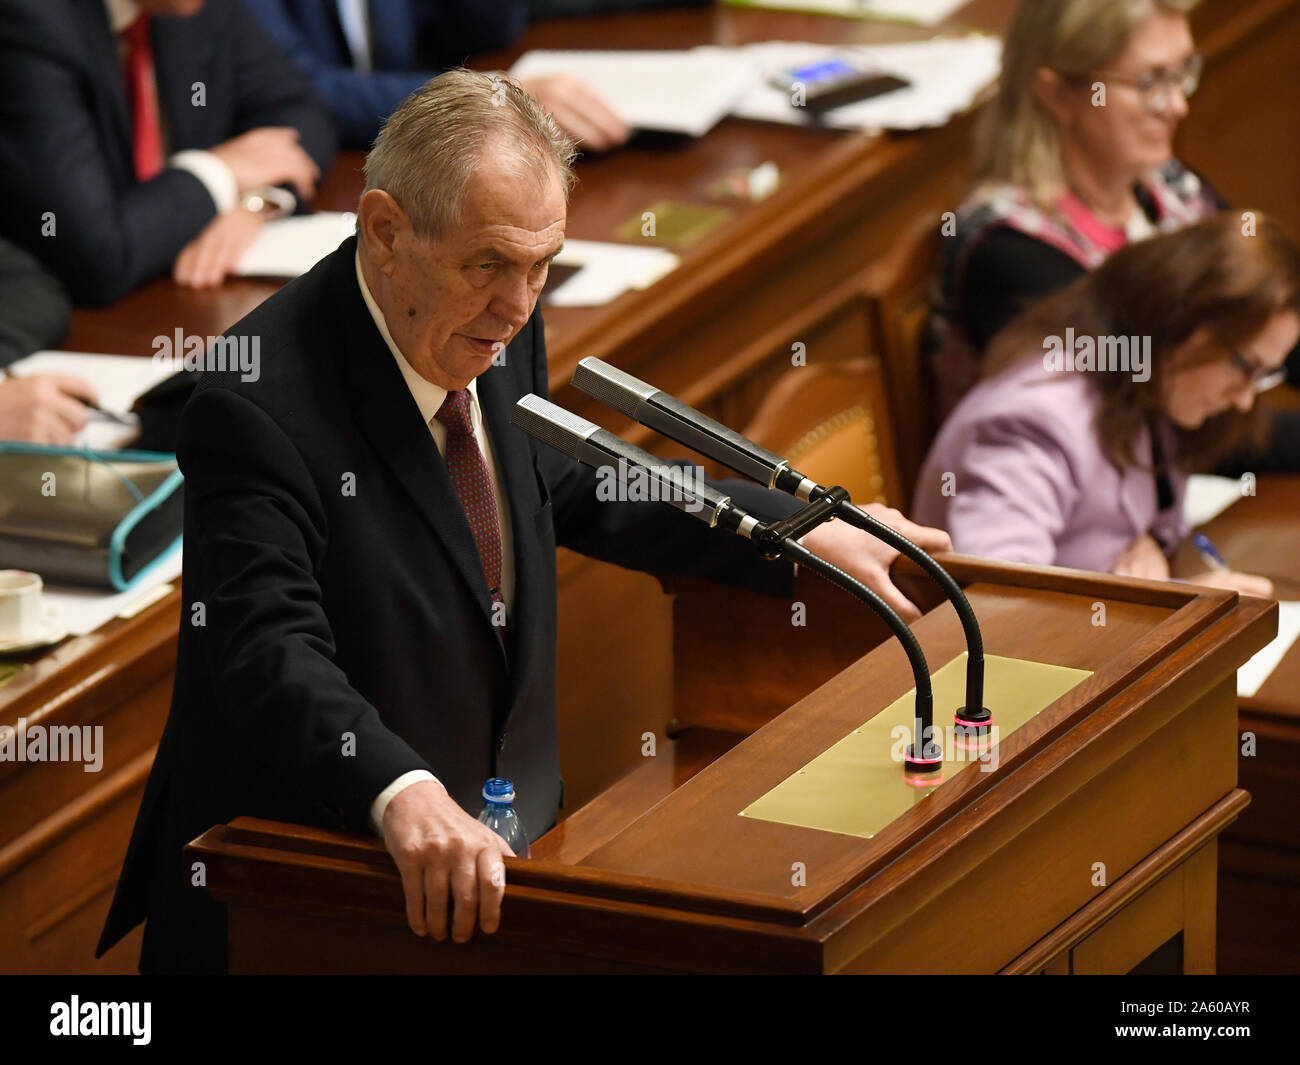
(432, 144)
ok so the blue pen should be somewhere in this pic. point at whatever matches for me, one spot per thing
(1208, 552)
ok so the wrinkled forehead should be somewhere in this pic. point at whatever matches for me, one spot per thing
(514, 198)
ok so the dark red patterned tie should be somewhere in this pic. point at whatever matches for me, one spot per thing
(469, 473)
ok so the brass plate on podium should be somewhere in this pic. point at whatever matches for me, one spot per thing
(857, 787)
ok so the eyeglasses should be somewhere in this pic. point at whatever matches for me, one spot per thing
(1260, 378)
(1155, 87)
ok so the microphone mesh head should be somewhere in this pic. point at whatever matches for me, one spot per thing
(552, 425)
(610, 386)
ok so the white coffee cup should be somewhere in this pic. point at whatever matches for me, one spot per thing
(22, 618)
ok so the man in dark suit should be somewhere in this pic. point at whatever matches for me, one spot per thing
(142, 135)
(370, 593)
(367, 56)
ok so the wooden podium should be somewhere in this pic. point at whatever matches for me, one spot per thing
(1091, 848)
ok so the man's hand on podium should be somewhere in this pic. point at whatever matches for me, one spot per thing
(441, 851)
(866, 558)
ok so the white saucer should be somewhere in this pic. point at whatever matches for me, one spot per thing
(51, 632)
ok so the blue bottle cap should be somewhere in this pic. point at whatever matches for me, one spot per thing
(499, 790)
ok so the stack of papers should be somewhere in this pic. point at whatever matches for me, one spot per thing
(688, 92)
(606, 271)
(1207, 497)
(1251, 676)
(945, 77)
(84, 610)
(287, 247)
(923, 12)
(118, 379)
(676, 92)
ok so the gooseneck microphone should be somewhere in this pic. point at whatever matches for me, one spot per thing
(659, 411)
(588, 443)
(602, 450)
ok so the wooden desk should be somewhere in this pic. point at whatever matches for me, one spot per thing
(991, 872)
(63, 831)
(812, 264)
(1259, 884)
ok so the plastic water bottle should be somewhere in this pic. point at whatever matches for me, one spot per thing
(499, 815)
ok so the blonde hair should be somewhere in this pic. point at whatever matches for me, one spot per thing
(431, 145)
(1017, 141)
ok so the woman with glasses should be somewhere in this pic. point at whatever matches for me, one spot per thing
(1073, 162)
(1074, 448)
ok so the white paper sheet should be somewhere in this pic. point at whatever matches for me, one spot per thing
(945, 76)
(84, 610)
(924, 12)
(118, 379)
(1208, 496)
(287, 247)
(677, 92)
(607, 271)
(1251, 676)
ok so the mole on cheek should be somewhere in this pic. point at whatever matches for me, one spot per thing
(410, 312)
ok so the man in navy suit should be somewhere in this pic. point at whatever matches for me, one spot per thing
(138, 136)
(367, 56)
(369, 615)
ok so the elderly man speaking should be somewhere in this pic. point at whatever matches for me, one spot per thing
(370, 593)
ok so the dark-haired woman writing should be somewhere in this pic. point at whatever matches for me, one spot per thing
(1096, 404)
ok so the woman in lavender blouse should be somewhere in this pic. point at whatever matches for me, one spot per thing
(1073, 449)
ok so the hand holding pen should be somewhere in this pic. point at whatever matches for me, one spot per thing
(47, 408)
(1220, 575)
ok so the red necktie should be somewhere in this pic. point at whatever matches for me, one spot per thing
(473, 482)
(146, 131)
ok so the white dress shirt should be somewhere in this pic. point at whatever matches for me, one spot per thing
(354, 18)
(429, 398)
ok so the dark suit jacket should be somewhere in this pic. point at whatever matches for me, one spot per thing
(336, 629)
(34, 308)
(65, 133)
(411, 41)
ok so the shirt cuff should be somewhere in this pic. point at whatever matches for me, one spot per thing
(214, 175)
(386, 796)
